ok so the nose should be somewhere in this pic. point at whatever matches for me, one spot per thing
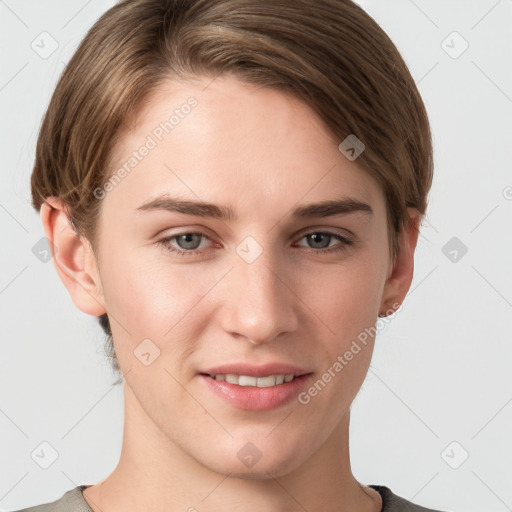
(258, 303)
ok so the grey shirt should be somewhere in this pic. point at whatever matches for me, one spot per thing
(73, 501)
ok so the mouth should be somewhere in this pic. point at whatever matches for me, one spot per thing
(262, 392)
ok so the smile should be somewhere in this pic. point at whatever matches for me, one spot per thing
(253, 393)
(260, 382)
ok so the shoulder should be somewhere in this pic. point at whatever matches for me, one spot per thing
(71, 501)
(393, 503)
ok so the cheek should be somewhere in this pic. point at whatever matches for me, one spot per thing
(346, 296)
(347, 304)
(151, 297)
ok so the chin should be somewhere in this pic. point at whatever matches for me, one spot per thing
(263, 469)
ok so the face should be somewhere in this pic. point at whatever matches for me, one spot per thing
(275, 288)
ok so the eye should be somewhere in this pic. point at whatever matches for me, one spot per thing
(322, 240)
(188, 242)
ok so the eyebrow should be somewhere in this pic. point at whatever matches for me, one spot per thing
(326, 208)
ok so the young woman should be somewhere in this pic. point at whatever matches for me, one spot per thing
(235, 188)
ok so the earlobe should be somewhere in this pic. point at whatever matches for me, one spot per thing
(400, 278)
(73, 258)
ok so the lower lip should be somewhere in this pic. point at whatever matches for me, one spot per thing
(253, 398)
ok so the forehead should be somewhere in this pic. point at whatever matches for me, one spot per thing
(225, 141)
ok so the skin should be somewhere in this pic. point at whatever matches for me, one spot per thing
(262, 153)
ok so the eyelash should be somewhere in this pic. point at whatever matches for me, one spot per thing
(339, 248)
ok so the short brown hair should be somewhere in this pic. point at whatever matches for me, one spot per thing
(329, 53)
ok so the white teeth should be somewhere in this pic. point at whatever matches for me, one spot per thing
(260, 382)
(265, 382)
(244, 380)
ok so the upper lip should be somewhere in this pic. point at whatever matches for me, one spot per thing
(256, 371)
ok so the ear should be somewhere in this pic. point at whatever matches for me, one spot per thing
(402, 268)
(73, 258)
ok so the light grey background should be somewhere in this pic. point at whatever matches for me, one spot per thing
(439, 386)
